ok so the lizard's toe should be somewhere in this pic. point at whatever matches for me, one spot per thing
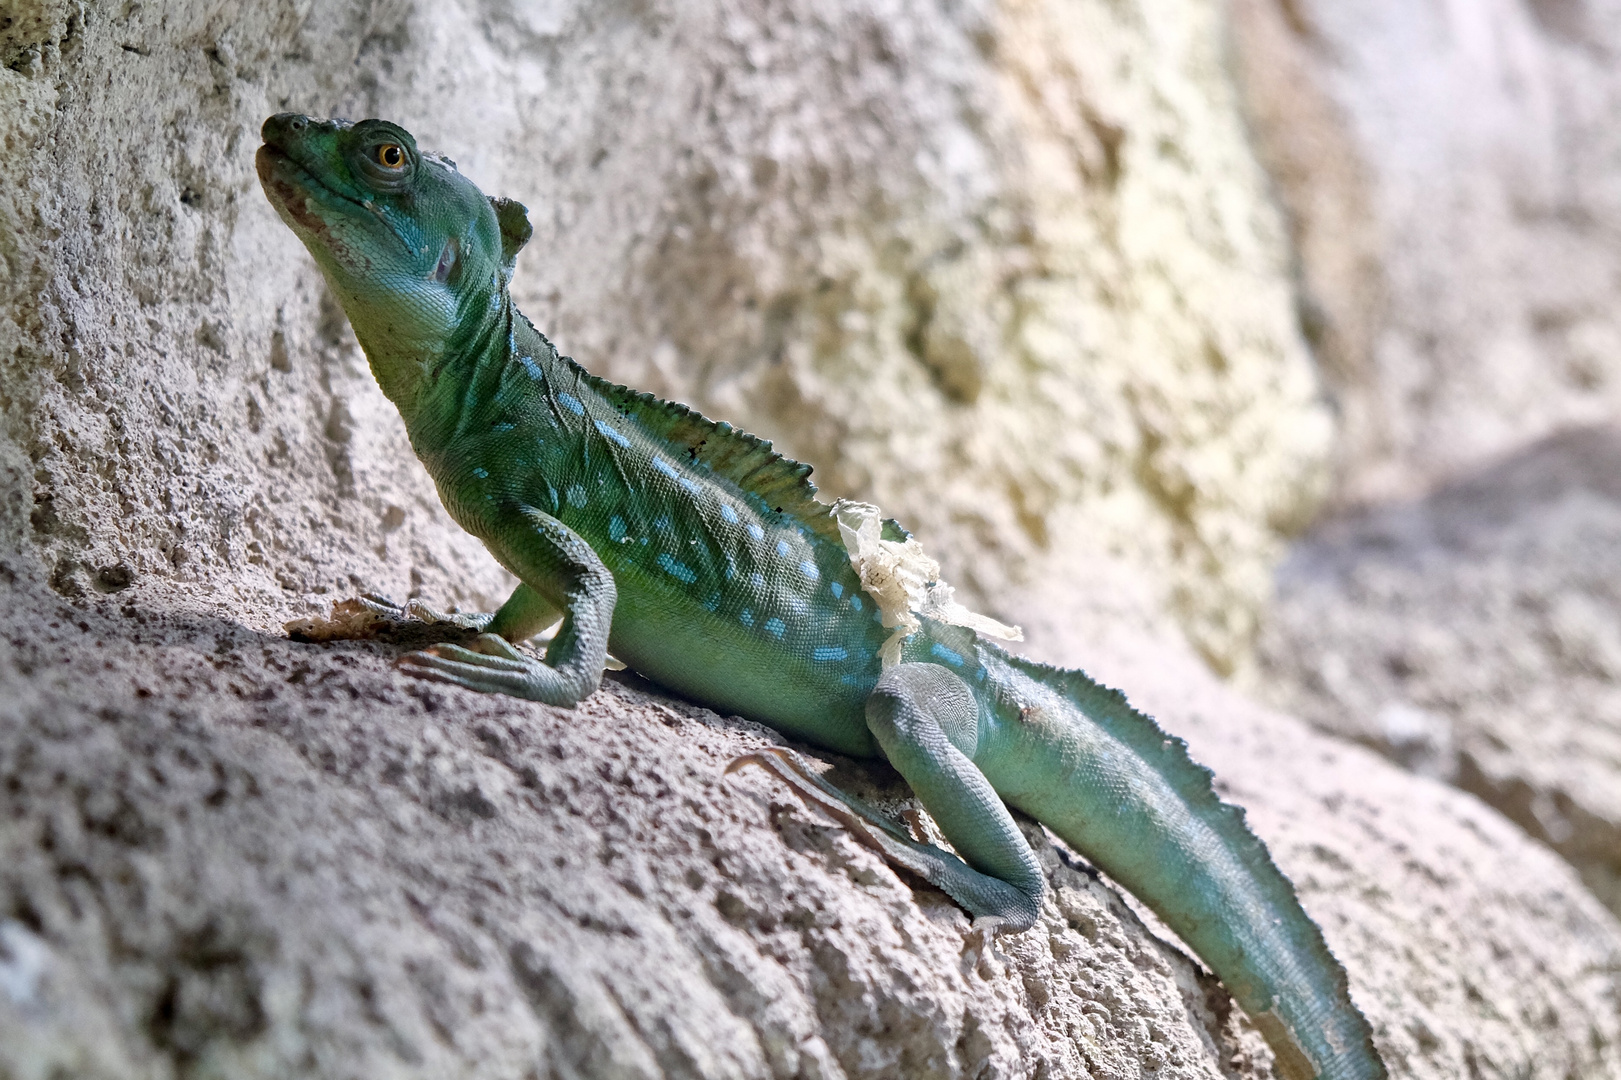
(470, 670)
(494, 645)
(455, 657)
(467, 620)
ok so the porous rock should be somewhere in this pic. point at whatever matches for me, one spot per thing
(1472, 948)
(978, 262)
(231, 854)
(1475, 635)
(1449, 175)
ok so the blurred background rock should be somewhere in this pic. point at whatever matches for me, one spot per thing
(1452, 174)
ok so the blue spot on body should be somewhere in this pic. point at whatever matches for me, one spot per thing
(610, 434)
(940, 652)
(572, 404)
(676, 569)
(757, 579)
(666, 468)
(981, 675)
(747, 618)
(712, 603)
(481, 474)
(855, 601)
(776, 627)
(728, 514)
(616, 528)
(532, 368)
(782, 548)
(756, 532)
(577, 496)
(691, 485)
(503, 427)
(830, 652)
(808, 568)
(662, 524)
(837, 590)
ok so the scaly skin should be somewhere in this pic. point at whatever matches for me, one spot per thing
(702, 561)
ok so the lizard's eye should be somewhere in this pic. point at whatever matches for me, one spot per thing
(384, 158)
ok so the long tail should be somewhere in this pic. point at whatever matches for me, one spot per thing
(1107, 779)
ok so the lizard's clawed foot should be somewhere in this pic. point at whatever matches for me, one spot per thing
(865, 824)
(492, 666)
(998, 907)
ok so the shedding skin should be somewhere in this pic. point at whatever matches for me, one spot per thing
(701, 559)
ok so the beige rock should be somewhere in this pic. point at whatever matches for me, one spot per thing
(228, 854)
(1471, 949)
(1449, 171)
(1476, 635)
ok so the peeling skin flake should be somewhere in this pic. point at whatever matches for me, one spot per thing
(904, 581)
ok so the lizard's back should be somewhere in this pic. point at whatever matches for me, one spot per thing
(734, 587)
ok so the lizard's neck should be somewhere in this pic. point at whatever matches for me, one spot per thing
(416, 372)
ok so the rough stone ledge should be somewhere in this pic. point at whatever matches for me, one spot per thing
(231, 854)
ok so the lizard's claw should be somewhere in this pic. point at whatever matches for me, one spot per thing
(865, 824)
(492, 666)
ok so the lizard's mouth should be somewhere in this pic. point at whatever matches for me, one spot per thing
(292, 189)
(299, 196)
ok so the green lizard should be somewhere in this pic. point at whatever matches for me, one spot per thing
(703, 561)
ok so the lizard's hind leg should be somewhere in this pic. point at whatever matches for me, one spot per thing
(927, 722)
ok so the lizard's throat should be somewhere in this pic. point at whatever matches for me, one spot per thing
(410, 369)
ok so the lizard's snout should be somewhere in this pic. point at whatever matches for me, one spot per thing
(276, 130)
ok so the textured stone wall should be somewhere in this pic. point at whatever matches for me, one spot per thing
(1450, 176)
(990, 265)
(1449, 170)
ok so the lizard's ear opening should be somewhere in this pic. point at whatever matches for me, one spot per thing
(513, 218)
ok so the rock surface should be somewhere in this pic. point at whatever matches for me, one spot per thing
(1476, 635)
(230, 854)
(1471, 948)
(1450, 175)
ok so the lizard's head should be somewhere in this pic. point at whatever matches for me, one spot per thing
(409, 245)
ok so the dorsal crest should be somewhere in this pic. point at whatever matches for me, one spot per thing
(748, 461)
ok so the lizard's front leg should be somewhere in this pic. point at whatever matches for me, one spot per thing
(560, 571)
(927, 722)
